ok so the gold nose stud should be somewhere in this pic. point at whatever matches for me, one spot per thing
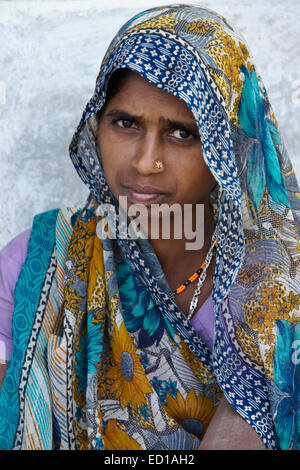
(158, 165)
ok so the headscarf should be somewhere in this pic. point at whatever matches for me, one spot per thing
(124, 369)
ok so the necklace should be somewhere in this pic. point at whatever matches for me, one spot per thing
(200, 274)
(192, 278)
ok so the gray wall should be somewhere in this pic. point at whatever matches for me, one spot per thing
(48, 68)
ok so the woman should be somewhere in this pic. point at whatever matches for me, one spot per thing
(124, 342)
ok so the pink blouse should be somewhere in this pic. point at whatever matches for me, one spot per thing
(12, 258)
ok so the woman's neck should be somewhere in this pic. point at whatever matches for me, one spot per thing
(173, 252)
(179, 264)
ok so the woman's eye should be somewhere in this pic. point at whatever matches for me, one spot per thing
(181, 134)
(125, 123)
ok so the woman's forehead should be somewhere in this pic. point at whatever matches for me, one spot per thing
(138, 94)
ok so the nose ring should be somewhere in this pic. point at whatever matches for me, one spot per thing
(158, 165)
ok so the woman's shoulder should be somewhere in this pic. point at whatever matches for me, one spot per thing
(47, 228)
(12, 258)
(16, 249)
(13, 255)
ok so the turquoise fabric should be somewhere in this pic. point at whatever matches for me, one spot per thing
(27, 297)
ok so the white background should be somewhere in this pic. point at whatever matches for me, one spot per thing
(50, 53)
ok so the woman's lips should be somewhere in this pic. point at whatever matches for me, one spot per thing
(143, 198)
(144, 194)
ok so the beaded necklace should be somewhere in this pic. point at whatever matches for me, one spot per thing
(200, 274)
(191, 279)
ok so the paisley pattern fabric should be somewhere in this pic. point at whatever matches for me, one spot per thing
(124, 367)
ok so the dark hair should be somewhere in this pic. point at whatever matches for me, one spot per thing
(115, 82)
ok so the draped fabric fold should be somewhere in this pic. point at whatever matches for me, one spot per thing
(125, 368)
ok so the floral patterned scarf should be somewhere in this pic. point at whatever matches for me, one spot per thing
(113, 360)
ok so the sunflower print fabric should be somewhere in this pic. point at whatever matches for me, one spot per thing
(130, 376)
(122, 368)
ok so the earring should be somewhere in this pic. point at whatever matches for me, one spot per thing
(159, 165)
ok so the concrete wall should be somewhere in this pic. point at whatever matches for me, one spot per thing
(50, 55)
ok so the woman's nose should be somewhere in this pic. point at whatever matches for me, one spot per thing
(148, 153)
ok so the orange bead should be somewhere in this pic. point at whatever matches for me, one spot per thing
(180, 289)
(193, 277)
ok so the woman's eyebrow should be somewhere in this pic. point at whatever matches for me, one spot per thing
(119, 114)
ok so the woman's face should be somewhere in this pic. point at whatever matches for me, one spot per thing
(141, 125)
